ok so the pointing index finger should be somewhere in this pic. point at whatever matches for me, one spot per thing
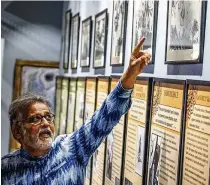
(137, 48)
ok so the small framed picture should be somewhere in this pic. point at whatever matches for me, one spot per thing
(185, 32)
(86, 42)
(66, 41)
(119, 22)
(145, 15)
(100, 39)
(75, 41)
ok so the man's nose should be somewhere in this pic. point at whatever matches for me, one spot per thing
(44, 122)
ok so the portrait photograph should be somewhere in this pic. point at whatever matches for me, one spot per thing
(184, 31)
(100, 39)
(109, 154)
(139, 150)
(119, 23)
(75, 41)
(86, 42)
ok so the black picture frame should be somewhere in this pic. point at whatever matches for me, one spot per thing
(122, 36)
(86, 23)
(201, 36)
(75, 40)
(102, 14)
(65, 45)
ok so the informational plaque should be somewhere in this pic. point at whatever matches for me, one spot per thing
(196, 162)
(58, 103)
(64, 104)
(136, 129)
(71, 105)
(90, 98)
(80, 103)
(99, 155)
(114, 149)
(165, 135)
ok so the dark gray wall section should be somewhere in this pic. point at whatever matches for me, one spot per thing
(32, 30)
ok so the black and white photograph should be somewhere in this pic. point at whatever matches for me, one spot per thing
(184, 31)
(127, 182)
(86, 42)
(143, 23)
(154, 159)
(139, 150)
(75, 41)
(117, 181)
(100, 39)
(119, 23)
(109, 154)
(67, 32)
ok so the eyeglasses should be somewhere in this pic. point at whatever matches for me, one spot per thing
(37, 119)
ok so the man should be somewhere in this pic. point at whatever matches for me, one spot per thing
(44, 161)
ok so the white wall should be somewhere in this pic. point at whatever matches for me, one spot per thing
(90, 8)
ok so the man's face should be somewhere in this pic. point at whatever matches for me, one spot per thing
(38, 135)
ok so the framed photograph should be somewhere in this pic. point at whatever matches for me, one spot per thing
(119, 25)
(86, 42)
(75, 41)
(185, 31)
(145, 15)
(100, 39)
(66, 42)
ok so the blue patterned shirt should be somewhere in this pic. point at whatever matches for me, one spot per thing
(67, 159)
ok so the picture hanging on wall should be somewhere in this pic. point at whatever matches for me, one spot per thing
(86, 42)
(75, 41)
(66, 41)
(119, 23)
(185, 31)
(145, 15)
(100, 39)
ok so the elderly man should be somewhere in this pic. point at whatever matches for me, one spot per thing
(44, 161)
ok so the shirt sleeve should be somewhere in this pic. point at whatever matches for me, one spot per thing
(87, 139)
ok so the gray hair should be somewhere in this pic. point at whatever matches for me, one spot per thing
(19, 107)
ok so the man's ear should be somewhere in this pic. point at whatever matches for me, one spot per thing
(17, 132)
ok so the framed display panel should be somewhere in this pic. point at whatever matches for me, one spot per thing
(99, 155)
(58, 104)
(86, 42)
(196, 159)
(36, 77)
(115, 148)
(64, 104)
(90, 106)
(164, 154)
(145, 16)
(119, 26)
(100, 39)
(137, 133)
(67, 34)
(185, 32)
(75, 41)
(80, 103)
(71, 105)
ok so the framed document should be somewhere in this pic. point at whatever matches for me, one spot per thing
(80, 99)
(75, 41)
(99, 155)
(71, 105)
(100, 39)
(145, 15)
(165, 132)
(185, 31)
(119, 26)
(58, 104)
(196, 160)
(67, 33)
(114, 149)
(64, 104)
(86, 42)
(90, 105)
(137, 133)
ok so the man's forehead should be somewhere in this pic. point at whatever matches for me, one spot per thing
(38, 107)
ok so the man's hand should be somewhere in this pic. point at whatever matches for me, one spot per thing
(138, 60)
